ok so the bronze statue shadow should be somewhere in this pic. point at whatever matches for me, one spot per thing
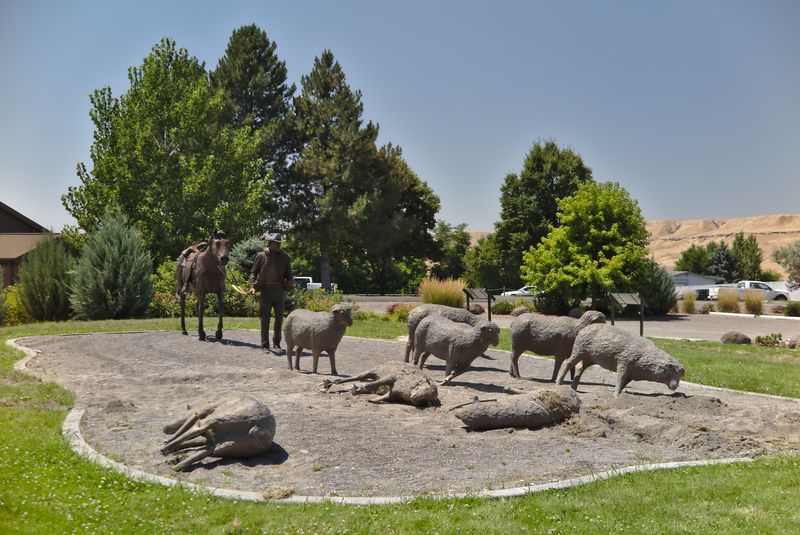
(275, 455)
(233, 343)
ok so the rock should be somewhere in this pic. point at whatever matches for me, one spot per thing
(476, 308)
(735, 337)
(793, 342)
(519, 311)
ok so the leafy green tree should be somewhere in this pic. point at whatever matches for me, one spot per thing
(483, 269)
(789, 259)
(452, 243)
(657, 289)
(748, 256)
(162, 155)
(44, 278)
(529, 202)
(722, 265)
(256, 94)
(696, 258)
(337, 152)
(392, 215)
(599, 245)
(112, 279)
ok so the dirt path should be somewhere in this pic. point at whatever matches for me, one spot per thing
(133, 384)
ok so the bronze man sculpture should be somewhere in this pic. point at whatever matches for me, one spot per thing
(272, 276)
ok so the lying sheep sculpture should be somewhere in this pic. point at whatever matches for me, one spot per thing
(455, 343)
(418, 313)
(237, 427)
(548, 335)
(633, 357)
(317, 331)
(530, 409)
(397, 381)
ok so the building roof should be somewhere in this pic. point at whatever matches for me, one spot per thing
(13, 246)
(36, 227)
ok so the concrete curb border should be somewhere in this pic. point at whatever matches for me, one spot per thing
(71, 432)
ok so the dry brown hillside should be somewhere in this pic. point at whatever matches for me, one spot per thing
(669, 238)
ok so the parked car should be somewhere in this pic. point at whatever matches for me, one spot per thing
(307, 283)
(770, 294)
(525, 290)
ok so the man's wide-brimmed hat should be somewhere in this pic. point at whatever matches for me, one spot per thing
(274, 236)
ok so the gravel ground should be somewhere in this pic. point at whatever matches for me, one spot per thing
(338, 444)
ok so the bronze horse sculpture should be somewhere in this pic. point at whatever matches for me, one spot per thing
(202, 269)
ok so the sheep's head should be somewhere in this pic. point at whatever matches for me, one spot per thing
(490, 332)
(592, 316)
(675, 373)
(425, 392)
(342, 315)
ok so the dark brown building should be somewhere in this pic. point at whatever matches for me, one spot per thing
(18, 235)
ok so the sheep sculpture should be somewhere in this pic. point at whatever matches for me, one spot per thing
(395, 381)
(548, 335)
(237, 427)
(457, 344)
(633, 357)
(530, 409)
(317, 331)
(418, 313)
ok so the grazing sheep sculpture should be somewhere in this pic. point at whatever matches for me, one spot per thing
(317, 331)
(455, 343)
(547, 335)
(418, 313)
(633, 358)
(530, 409)
(237, 427)
(397, 381)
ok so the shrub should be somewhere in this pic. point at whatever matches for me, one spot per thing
(770, 340)
(792, 309)
(769, 275)
(689, 298)
(315, 300)
(448, 292)
(112, 279)
(754, 302)
(728, 300)
(243, 254)
(503, 307)
(658, 290)
(44, 281)
(399, 311)
(3, 304)
(15, 313)
(551, 303)
(707, 308)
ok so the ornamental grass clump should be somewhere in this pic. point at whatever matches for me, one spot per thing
(728, 300)
(112, 279)
(754, 302)
(448, 292)
(44, 278)
(689, 298)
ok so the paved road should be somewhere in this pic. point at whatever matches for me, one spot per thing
(693, 327)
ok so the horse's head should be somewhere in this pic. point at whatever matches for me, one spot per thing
(218, 243)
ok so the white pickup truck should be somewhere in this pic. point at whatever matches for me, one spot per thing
(770, 293)
(306, 283)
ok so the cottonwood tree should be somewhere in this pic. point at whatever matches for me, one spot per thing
(452, 243)
(529, 202)
(599, 246)
(789, 259)
(696, 258)
(482, 267)
(748, 256)
(162, 156)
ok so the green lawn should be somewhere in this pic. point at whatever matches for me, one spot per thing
(45, 488)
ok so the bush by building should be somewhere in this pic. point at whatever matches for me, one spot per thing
(44, 279)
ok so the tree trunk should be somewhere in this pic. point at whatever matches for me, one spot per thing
(325, 265)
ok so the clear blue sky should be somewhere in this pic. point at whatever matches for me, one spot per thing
(693, 106)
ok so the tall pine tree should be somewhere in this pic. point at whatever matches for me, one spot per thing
(334, 160)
